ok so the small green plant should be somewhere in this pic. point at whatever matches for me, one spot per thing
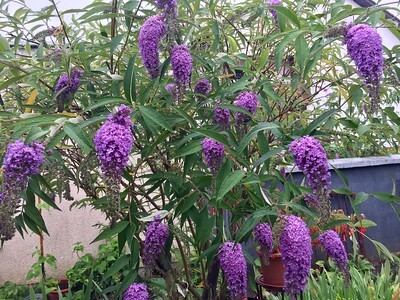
(13, 291)
(91, 275)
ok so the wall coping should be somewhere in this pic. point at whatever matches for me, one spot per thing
(357, 162)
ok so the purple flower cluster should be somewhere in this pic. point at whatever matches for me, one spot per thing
(203, 86)
(170, 6)
(263, 235)
(137, 291)
(310, 157)
(222, 117)
(213, 152)
(234, 266)
(272, 11)
(295, 246)
(113, 142)
(156, 236)
(364, 46)
(331, 242)
(247, 101)
(20, 162)
(150, 35)
(67, 86)
(181, 63)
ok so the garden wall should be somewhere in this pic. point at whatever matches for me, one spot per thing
(65, 227)
(370, 175)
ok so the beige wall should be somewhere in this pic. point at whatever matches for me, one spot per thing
(65, 227)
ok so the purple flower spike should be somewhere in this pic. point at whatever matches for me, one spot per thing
(181, 63)
(247, 101)
(22, 161)
(113, 142)
(330, 240)
(263, 235)
(66, 87)
(295, 246)
(203, 86)
(137, 291)
(310, 157)
(272, 11)
(234, 266)
(364, 46)
(150, 35)
(222, 117)
(156, 236)
(213, 152)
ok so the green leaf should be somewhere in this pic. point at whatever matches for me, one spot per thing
(342, 191)
(266, 156)
(130, 80)
(115, 42)
(214, 135)
(106, 101)
(116, 266)
(189, 148)
(360, 198)
(386, 197)
(302, 51)
(33, 213)
(253, 132)
(76, 133)
(287, 13)
(247, 226)
(187, 202)
(381, 248)
(229, 183)
(109, 232)
(4, 44)
(318, 121)
(152, 116)
(365, 223)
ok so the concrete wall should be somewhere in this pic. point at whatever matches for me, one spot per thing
(65, 227)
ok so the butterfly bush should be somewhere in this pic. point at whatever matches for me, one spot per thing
(203, 86)
(156, 236)
(66, 86)
(310, 158)
(364, 45)
(20, 162)
(247, 101)
(213, 153)
(234, 266)
(295, 246)
(331, 242)
(181, 63)
(273, 11)
(263, 236)
(137, 291)
(221, 117)
(113, 142)
(150, 35)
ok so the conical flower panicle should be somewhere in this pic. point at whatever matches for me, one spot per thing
(234, 266)
(331, 242)
(150, 35)
(137, 291)
(156, 236)
(296, 250)
(213, 153)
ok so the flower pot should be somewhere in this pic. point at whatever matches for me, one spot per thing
(273, 273)
(63, 284)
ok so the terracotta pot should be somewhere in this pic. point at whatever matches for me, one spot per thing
(272, 274)
(63, 284)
